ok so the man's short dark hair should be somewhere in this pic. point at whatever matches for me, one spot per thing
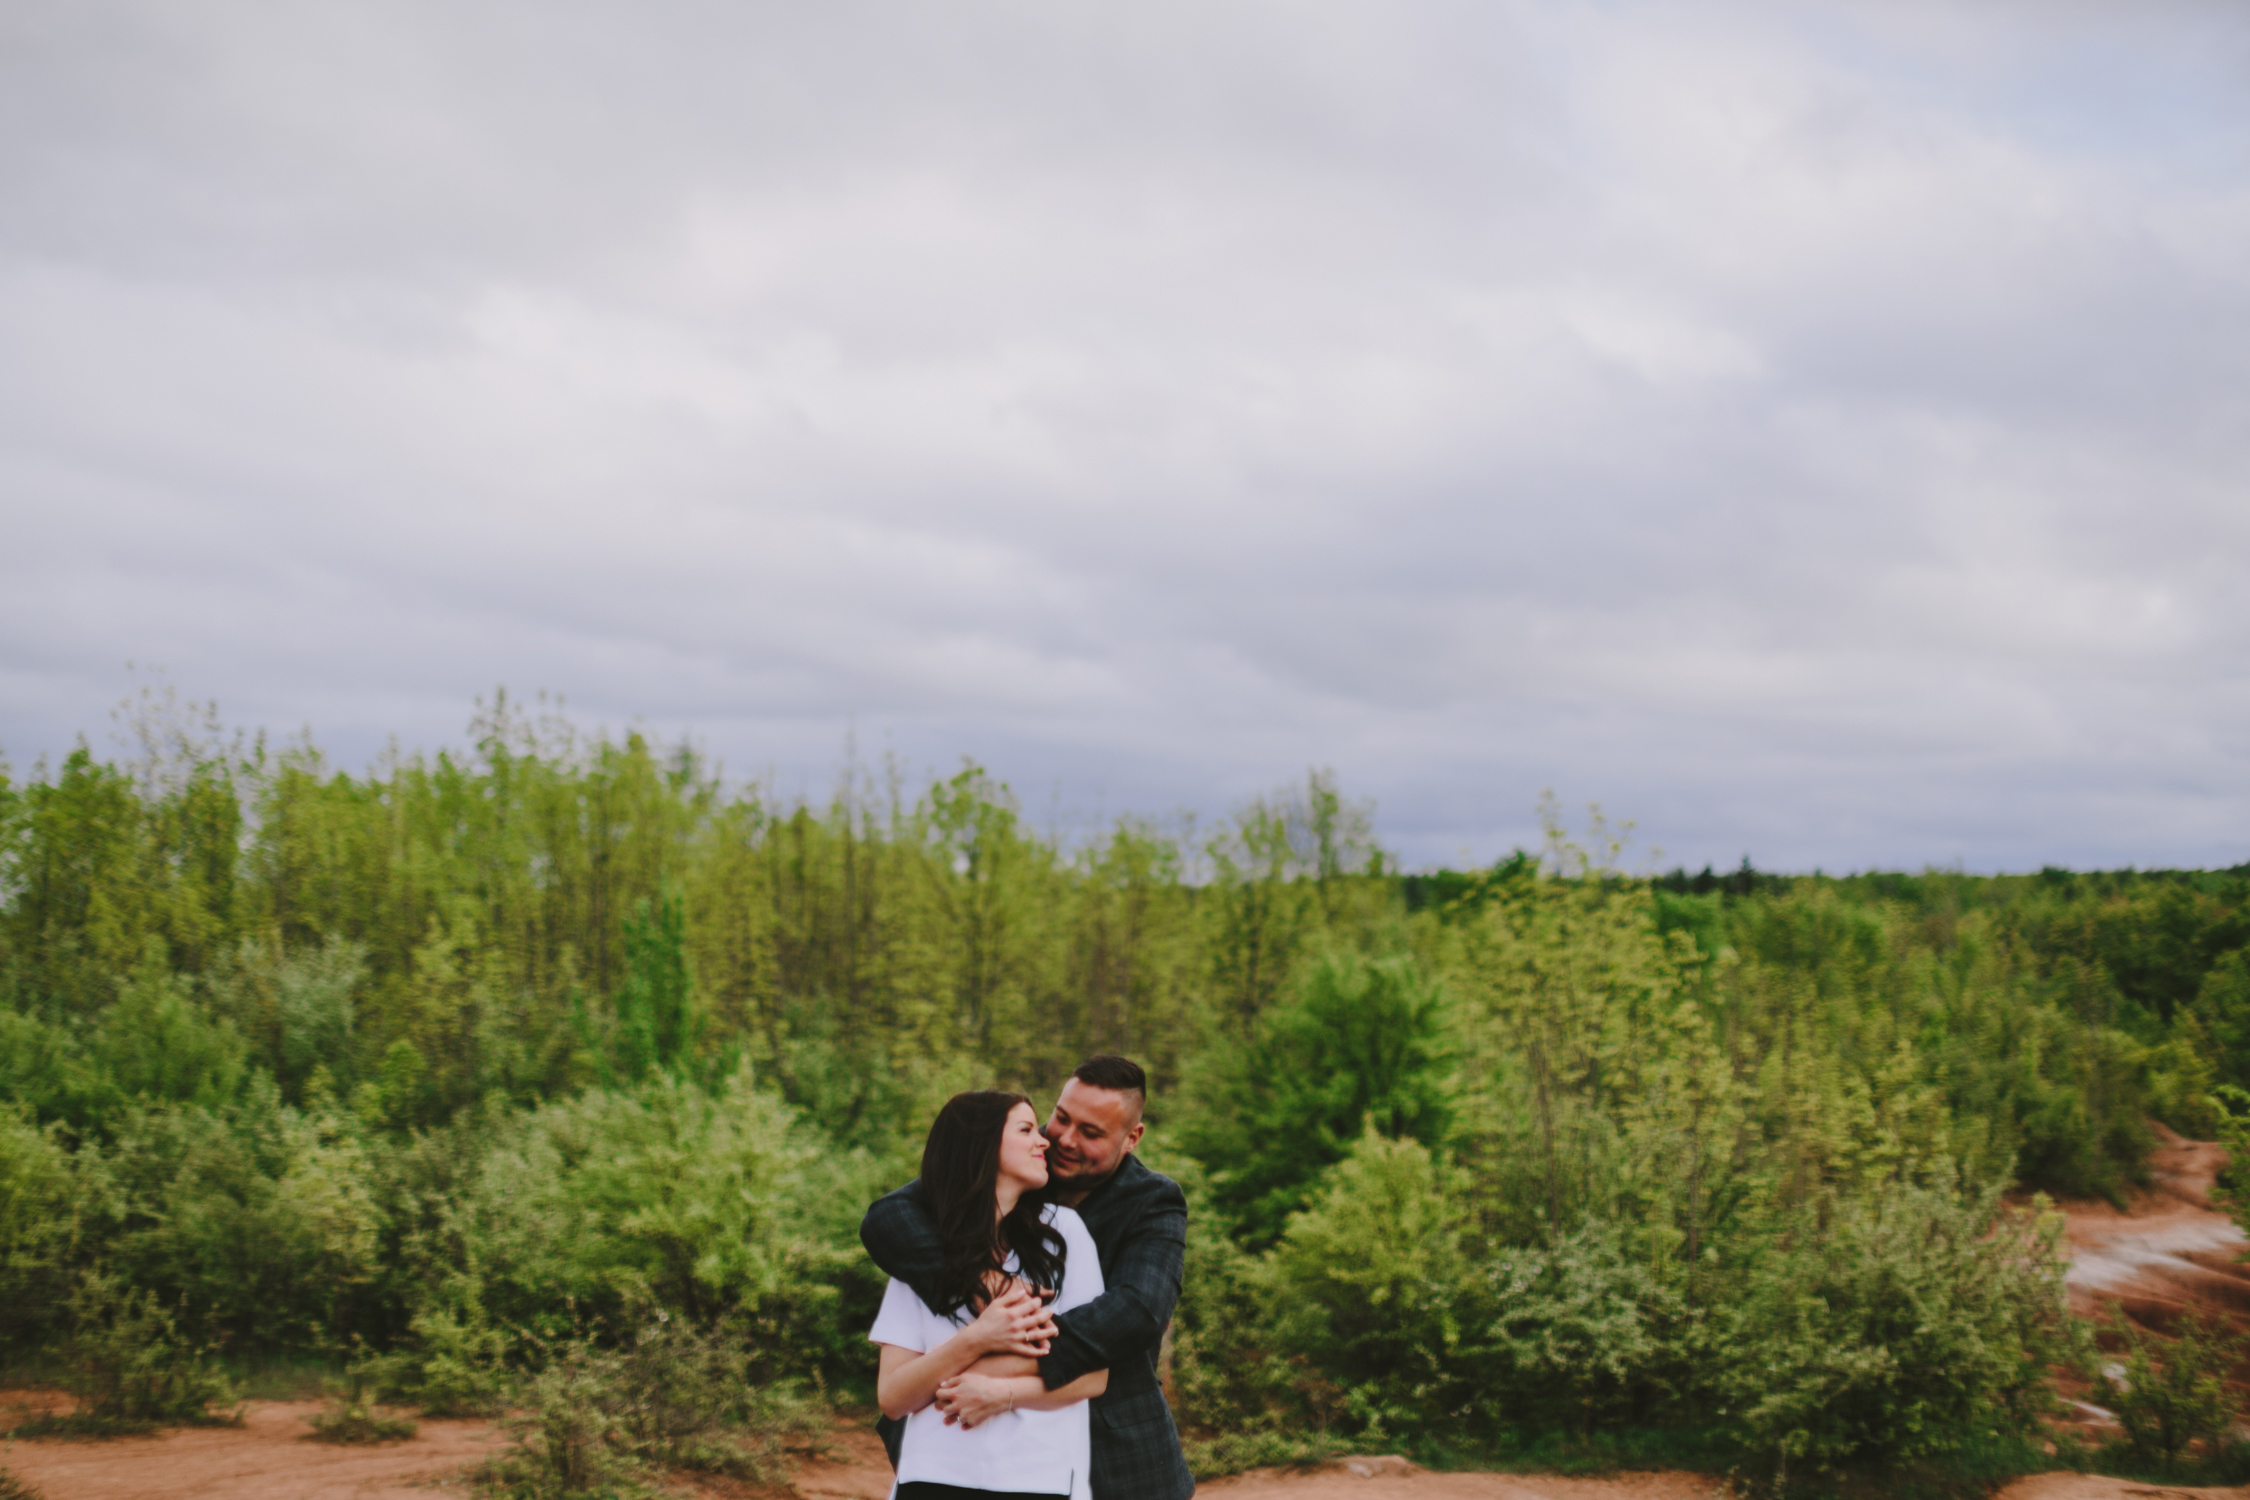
(1109, 1071)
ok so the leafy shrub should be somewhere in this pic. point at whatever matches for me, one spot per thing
(2231, 1105)
(612, 1418)
(1382, 1287)
(714, 1203)
(1240, 1402)
(349, 1416)
(1884, 1327)
(1367, 1285)
(2085, 1129)
(259, 1217)
(1225, 1453)
(1868, 1328)
(12, 1488)
(45, 1205)
(454, 1365)
(44, 1069)
(156, 1042)
(130, 1367)
(1575, 1335)
(350, 1419)
(2172, 1393)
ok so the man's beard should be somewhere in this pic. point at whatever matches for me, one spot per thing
(1083, 1181)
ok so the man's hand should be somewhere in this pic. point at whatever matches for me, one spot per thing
(1015, 1322)
(973, 1400)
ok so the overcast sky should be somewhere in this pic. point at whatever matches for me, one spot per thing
(1816, 432)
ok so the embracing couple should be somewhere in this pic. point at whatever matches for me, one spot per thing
(1033, 1275)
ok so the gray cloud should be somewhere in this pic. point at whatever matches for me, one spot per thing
(1815, 431)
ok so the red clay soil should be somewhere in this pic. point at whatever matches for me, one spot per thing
(268, 1458)
(2166, 1251)
(1408, 1483)
(852, 1466)
(2097, 1487)
(2169, 1250)
(1395, 1479)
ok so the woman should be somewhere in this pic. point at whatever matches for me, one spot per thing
(1005, 1253)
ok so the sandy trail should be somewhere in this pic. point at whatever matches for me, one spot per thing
(268, 1458)
(1393, 1479)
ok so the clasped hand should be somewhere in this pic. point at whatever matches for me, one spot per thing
(1015, 1322)
(973, 1400)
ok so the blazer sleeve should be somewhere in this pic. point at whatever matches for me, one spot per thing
(1130, 1316)
(900, 1238)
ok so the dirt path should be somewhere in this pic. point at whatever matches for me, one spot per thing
(1406, 1483)
(1394, 1479)
(268, 1458)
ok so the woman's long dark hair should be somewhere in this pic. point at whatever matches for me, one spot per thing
(960, 1184)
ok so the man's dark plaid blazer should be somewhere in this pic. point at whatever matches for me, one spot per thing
(1139, 1222)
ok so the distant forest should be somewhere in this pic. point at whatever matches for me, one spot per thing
(444, 1064)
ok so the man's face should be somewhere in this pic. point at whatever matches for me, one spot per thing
(1089, 1133)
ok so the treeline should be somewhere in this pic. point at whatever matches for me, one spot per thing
(440, 1064)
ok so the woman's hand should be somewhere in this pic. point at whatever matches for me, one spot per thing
(973, 1400)
(1014, 1322)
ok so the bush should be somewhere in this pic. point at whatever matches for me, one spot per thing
(44, 1205)
(259, 1217)
(2172, 1393)
(668, 1397)
(1367, 1285)
(715, 1204)
(455, 1365)
(1240, 1402)
(130, 1368)
(1884, 1328)
(2085, 1131)
(1226, 1453)
(1870, 1328)
(1575, 1335)
(156, 1042)
(350, 1419)
(44, 1070)
(12, 1488)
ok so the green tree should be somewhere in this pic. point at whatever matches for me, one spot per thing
(1360, 1045)
(657, 1020)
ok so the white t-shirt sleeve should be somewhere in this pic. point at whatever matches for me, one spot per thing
(904, 1321)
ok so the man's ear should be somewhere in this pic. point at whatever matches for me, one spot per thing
(1133, 1136)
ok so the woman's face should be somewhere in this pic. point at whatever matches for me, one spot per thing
(1023, 1150)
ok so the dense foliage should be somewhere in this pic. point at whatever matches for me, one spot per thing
(479, 1057)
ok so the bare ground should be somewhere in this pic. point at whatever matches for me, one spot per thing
(270, 1457)
(2166, 1251)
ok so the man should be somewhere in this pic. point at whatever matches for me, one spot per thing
(1138, 1219)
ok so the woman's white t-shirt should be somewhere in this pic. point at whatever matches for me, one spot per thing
(1032, 1452)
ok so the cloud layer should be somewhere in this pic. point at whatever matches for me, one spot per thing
(1817, 432)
